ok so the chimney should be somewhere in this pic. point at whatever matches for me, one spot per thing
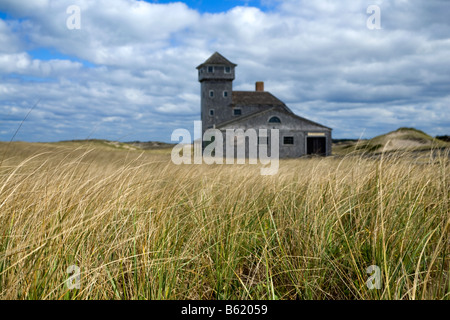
(259, 86)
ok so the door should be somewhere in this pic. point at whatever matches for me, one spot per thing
(316, 145)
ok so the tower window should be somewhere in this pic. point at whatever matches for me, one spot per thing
(237, 112)
(227, 69)
(211, 93)
(211, 112)
(210, 69)
(225, 94)
(288, 140)
(274, 120)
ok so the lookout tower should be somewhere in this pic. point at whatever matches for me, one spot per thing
(216, 77)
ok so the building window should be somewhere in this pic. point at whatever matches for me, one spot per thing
(225, 94)
(210, 69)
(211, 93)
(227, 69)
(274, 120)
(237, 112)
(288, 140)
(211, 112)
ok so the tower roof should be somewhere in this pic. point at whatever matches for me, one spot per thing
(217, 59)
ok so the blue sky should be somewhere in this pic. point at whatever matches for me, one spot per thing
(45, 54)
(129, 72)
(205, 6)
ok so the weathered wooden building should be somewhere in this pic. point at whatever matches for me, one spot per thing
(222, 108)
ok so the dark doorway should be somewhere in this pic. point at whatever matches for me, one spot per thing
(316, 145)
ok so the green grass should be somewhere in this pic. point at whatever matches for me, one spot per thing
(140, 227)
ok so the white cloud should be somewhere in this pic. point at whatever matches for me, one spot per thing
(317, 56)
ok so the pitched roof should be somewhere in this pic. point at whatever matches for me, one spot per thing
(255, 98)
(244, 118)
(217, 59)
(276, 108)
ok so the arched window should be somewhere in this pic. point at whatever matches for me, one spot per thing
(274, 120)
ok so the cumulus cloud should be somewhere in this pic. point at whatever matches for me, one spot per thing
(130, 70)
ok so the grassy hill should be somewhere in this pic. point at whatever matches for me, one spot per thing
(133, 145)
(98, 143)
(402, 139)
(20, 149)
(140, 227)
